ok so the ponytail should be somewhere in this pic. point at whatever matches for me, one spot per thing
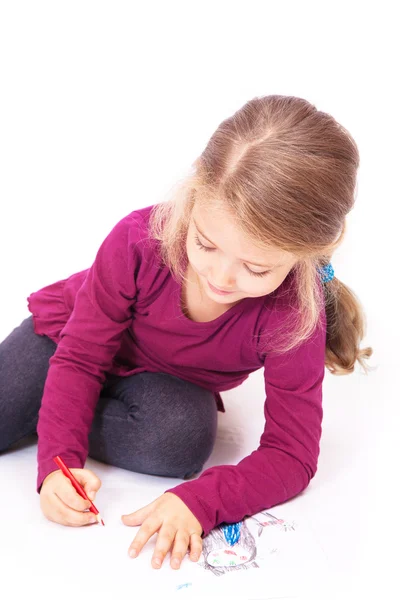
(345, 329)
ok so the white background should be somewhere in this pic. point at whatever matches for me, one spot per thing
(104, 105)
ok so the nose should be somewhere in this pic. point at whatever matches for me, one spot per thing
(222, 276)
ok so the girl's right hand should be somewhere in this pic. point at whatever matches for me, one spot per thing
(61, 503)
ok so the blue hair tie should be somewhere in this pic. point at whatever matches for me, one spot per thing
(326, 273)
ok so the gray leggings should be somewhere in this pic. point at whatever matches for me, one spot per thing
(151, 423)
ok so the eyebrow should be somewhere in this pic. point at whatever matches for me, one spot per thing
(246, 261)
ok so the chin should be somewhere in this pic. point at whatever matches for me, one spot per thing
(234, 297)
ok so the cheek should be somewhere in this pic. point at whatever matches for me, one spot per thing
(259, 286)
(196, 257)
(190, 250)
(256, 286)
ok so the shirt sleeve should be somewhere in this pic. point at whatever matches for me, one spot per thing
(286, 458)
(88, 343)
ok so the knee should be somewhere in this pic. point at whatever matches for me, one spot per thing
(178, 430)
(193, 438)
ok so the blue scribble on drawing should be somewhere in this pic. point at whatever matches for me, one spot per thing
(232, 532)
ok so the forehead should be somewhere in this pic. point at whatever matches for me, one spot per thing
(222, 230)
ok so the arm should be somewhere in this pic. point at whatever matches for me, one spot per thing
(88, 343)
(286, 458)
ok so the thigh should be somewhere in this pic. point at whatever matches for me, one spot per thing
(154, 423)
(24, 363)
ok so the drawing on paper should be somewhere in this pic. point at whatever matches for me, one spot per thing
(231, 547)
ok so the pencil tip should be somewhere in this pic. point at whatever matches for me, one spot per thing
(99, 519)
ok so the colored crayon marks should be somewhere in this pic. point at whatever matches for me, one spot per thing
(223, 557)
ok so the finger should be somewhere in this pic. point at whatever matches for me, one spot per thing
(149, 527)
(165, 541)
(71, 498)
(88, 480)
(136, 518)
(196, 546)
(180, 548)
(70, 517)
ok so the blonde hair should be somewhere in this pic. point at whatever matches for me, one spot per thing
(286, 173)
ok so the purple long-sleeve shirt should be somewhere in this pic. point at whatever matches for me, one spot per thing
(123, 316)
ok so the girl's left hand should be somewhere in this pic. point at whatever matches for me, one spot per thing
(177, 526)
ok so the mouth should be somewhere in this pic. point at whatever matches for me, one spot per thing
(218, 291)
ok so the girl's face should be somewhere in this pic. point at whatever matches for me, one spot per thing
(226, 261)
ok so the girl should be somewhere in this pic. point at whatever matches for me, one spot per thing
(125, 361)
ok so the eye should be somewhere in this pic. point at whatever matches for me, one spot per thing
(262, 274)
(208, 249)
(200, 245)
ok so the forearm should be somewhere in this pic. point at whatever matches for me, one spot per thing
(228, 493)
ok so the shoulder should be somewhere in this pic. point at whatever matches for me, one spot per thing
(133, 232)
(128, 246)
(278, 306)
(141, 216)
(142, 255)
(281, 318)
(136, 223)
(283, 303)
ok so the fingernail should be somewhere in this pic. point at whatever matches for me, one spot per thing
(157, 562)
(176, 562)
(133, 553)
(93, 520)
(195, 556)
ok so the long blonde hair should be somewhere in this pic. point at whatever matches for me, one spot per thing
(286, 173)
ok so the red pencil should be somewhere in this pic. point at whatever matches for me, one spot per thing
(60, 463)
